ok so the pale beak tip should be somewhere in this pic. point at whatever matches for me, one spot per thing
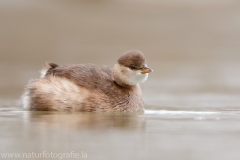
(146, 70)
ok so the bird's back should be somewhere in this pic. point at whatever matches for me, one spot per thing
(89, 76)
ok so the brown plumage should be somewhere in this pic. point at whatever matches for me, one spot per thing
(132, 59)
(88, 87)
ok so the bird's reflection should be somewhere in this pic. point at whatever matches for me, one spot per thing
(85, 120)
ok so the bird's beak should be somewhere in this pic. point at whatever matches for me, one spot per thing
(146, 70)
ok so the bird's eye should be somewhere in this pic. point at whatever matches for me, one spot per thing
(132, 67)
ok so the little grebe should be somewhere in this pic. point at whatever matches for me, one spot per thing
(88, 87)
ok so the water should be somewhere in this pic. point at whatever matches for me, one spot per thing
(157, 134)
(192, 99)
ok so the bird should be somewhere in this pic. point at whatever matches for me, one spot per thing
(89, 87)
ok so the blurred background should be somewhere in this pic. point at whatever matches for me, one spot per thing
(192, 98)
(192, 45)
